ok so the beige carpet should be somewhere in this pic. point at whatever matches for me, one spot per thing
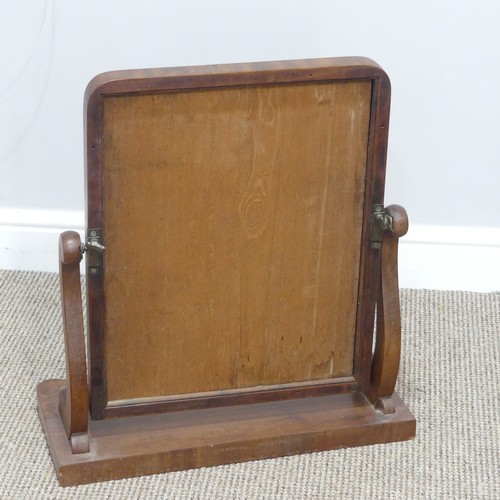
(450, 379)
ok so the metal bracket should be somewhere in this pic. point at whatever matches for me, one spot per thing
(93, 245)
(382, 221)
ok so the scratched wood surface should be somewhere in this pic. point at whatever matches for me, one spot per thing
(232, 222)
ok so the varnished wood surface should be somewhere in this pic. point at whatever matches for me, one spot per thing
(135, 446)
(235, 203)
(228, 397)
(233, 222)
(370, 259)
(74, 396)
(385, 364)
(155, 81)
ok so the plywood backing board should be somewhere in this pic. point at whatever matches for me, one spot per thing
(233, 222)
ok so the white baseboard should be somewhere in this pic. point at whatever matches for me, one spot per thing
(450, 258)
(29, 239)
(439, 257)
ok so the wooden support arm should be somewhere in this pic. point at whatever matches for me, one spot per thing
(74, 397)
(385, 362)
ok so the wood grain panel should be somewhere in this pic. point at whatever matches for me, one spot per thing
(232, 224)
(151, 444)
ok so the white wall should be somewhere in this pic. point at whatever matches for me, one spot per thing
(442, 57)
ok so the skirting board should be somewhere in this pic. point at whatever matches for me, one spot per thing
(29, 239)
(438, 257)
(450, 258)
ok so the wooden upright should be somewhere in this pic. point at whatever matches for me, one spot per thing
(237, 249)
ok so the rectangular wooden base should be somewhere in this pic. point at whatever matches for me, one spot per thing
(136, 446)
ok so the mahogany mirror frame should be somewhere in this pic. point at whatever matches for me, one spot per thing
(358, 404)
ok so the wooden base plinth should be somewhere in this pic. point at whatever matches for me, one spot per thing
(136, 446)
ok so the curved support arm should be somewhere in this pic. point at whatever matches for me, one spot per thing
(74, 397)
(385, 362)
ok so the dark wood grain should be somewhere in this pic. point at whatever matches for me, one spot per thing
(73, 397)
(230, 397)
(149, 82)
(231, 316)
(386, 358)
(370, 258)
(134, 446)
(220, 75)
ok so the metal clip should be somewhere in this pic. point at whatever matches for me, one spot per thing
(382, 222)
(95, 248)
(94, 245)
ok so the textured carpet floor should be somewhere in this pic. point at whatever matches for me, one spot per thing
(450, 379)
